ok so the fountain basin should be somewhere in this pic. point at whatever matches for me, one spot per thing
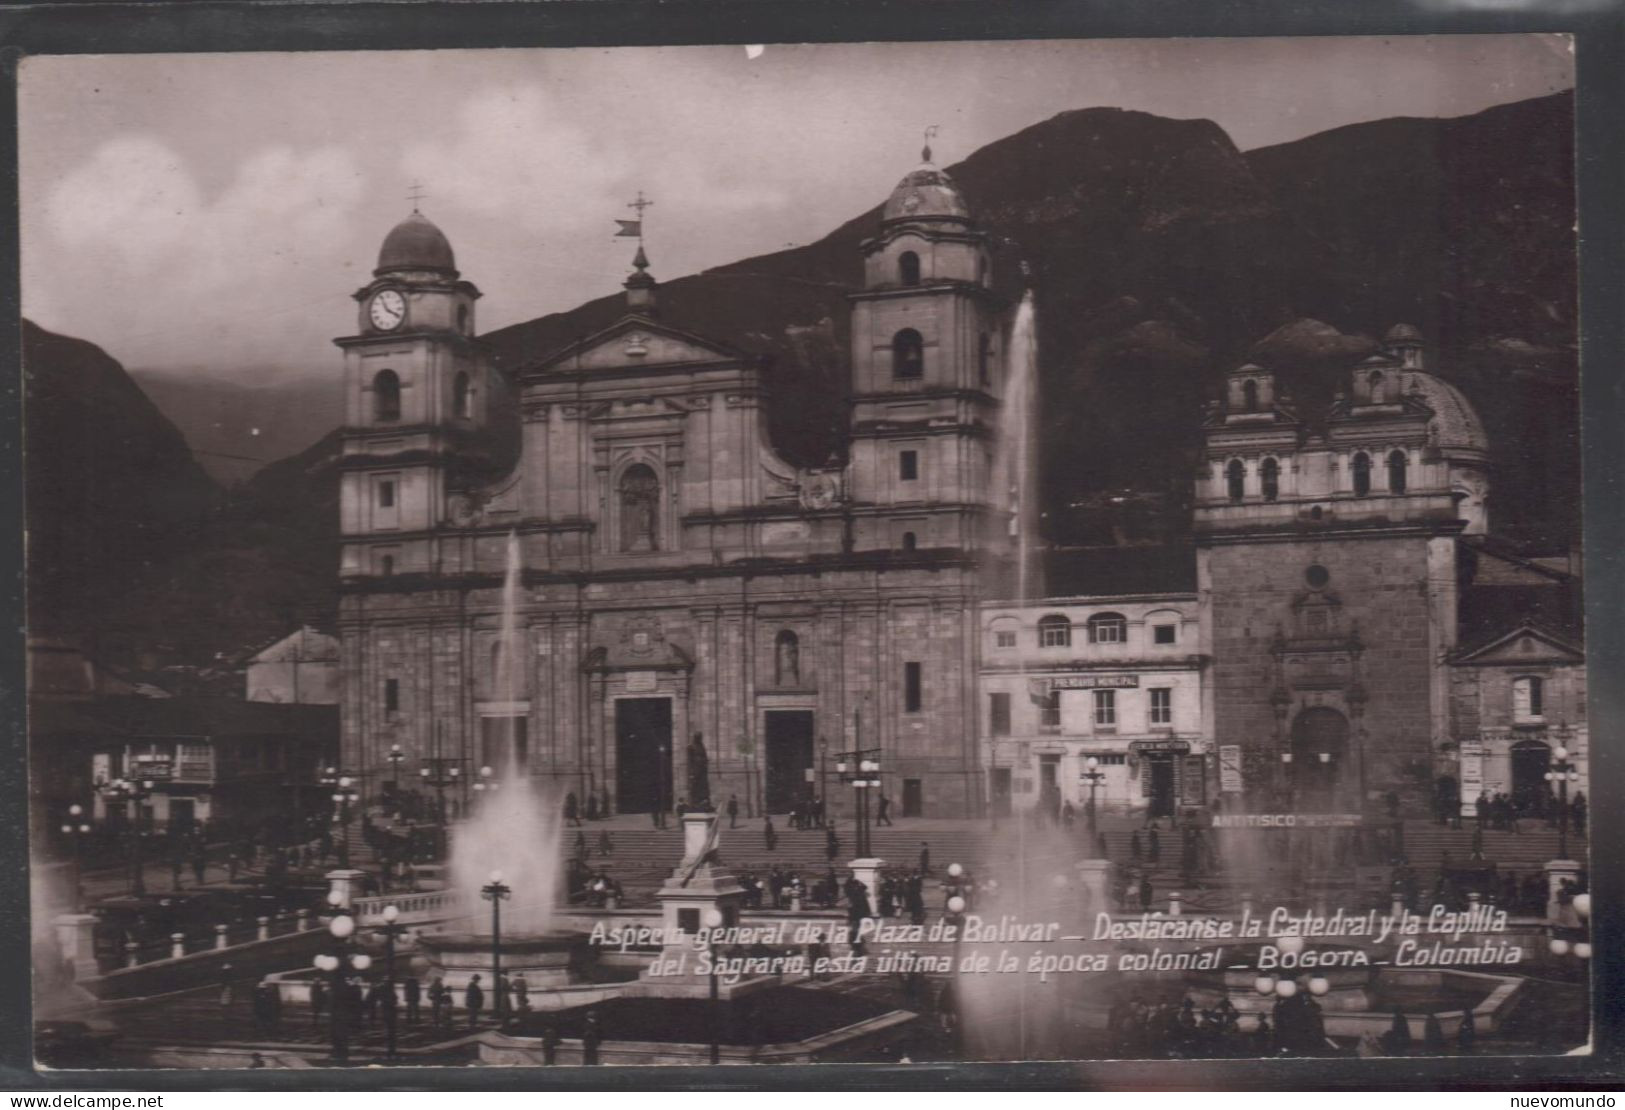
(547, 960)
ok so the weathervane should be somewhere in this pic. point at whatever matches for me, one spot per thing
(416, 194)
(930, 133)
(634, 228)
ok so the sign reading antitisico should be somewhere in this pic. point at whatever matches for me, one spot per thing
(1286, 820)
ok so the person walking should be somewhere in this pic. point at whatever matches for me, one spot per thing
(413, 991)
(733, 811)
(439, 1002)
(474, 1001)
(606, 846)
(572, 810)
(925, 858)
(769, 835)
(884, 810)
(519, 991)
(1145, 894)
(1155, 844)
(592, 1035)
(832, 843)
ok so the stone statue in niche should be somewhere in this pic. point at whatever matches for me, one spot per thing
(640, 506)
(787, 659)
(699, 777)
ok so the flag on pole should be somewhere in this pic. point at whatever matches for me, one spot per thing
(630, 229)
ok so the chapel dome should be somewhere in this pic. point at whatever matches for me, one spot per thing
(416, 244)
(1455, 427)
(925, 192)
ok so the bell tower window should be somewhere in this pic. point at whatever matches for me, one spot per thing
(1376, 387)
(386, 397)
(1235, 478)
(459, 396)
(907, 355)
(1270, 478)
(1362, 474)
(1397, 465)
(1249, 395)
(640, 509)
(908, 268)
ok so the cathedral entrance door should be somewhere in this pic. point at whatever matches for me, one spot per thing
(504, 744)
(1319, 743)
(789, 755)
(643, 755)
(1531, 759)
(1161, 769)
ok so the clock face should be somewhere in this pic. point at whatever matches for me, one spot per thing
(387, 310)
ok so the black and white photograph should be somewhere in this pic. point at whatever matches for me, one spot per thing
(888, 553)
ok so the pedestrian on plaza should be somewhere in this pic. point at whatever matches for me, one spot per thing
(550, 1044)
(474, 1001)
(439, 1003)
(175, 869)
(200, 864)
(592, 1035)
(1155, 843)
(273, 1003)
(413, 990)
(733, 811)
(1145, 894)
(1069, 816)
(606, 846)
(572, 810)
(519, 991)
(582, 851)
(925, 858)
(318, 1001)
(768, 834)
(226, 996)
(884, 811)
(654, 816)
(1466, 1035)
(832, 843)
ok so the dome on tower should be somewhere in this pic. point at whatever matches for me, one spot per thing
(1454, 427)
(416, 244)
(1402, 333)
(925, 193)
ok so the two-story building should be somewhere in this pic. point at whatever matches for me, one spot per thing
(1117, 678)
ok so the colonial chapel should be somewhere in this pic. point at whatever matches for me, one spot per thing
(679, 578)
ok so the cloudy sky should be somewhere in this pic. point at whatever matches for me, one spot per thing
(212, 213)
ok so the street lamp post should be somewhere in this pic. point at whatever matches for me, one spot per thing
(1093, 775)
(133, 793)
(860, 769)
(486, 785)
(343, 794)
(75, 830)
(1563, 772)
(956, 919)
(440, 773)
(342, 928)
(495, 892)
(391, 929)
(396, 757)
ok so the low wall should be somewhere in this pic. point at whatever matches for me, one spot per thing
(197, 969)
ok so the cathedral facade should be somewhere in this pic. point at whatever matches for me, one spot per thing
(686, 597)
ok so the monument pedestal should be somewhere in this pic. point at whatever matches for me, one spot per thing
(76, 937)
(697, 886)
(1093, 878)
(347, 881)
(868, 872)
(1556, 871)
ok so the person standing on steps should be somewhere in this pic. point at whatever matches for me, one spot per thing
(769, 835)
(925, 857)
(883, 815)
(1155, 845)
(832, 843)
(572, 810)
(733, 811)
(474, 1001)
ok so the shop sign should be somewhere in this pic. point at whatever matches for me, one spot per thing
(1143, 746)
(1230, 768)
(1040, 687)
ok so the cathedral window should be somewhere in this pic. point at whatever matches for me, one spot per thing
(908, 465)
(1108, 628)
(1249, 395)
(910, 542)
(1270, 479)
(907, 355)
(392, 695)
(1375, 381)
(1235, 480)
(913, 688)
(462, 318)
(386, 495)
(1397, 464)
(1362, 474)
(998, 714)
(984, 358)
(787, 659)
(908, 268)
(1528, 699)
(459, 396)
(386, 565)
(1054, 631)
(386, 397)
(640, 509)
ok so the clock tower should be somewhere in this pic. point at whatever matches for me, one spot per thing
(418, 403)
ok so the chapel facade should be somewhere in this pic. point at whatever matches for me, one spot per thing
(688, 597)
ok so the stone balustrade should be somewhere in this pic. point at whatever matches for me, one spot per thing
(429, 905)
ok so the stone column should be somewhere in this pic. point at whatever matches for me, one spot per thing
(76, 936)
(263, 930)
(220, 938)
(177, 945)
(347, 881)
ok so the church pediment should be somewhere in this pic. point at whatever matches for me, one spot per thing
(634, 342)
(1523, 647)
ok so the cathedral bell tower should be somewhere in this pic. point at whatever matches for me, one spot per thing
(418, 403)
(926, 339)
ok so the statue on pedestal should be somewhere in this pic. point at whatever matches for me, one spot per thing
(699, 780)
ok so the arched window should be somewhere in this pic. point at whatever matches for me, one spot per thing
(459, 396)
(640, 509)
(1528, 699)
(909, 541)
(1054, 631)
(1249, 395)
(1375, 381)
(1235, 477)
(386, 565)
(984, 358)
(1108, 628)
(786, 659)
(462, 318)
(1362, 474)
(907, 354)
(1270, 478)
(1397, 462)
(908, 268)
(386, 397)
